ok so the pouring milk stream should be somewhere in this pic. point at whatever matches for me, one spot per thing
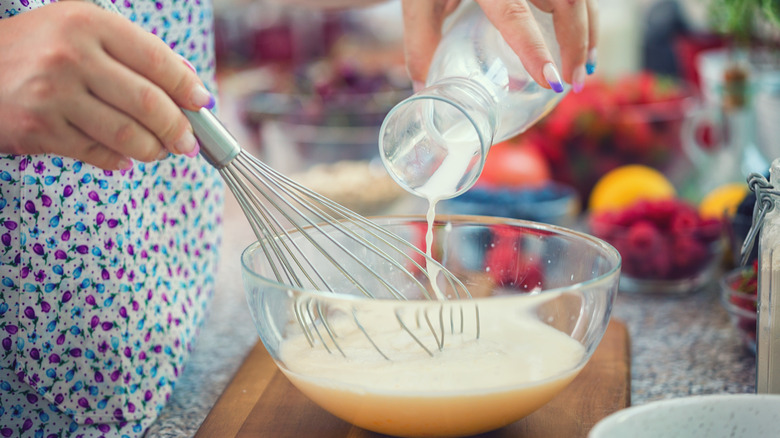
(478, 93)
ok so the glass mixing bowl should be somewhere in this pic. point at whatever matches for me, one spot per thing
(541, 300)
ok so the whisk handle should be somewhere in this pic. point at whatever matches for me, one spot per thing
(217, 146)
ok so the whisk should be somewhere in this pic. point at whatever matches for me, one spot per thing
(336, 248)
(339, 249)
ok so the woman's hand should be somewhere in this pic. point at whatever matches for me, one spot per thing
(82, 82)
(575, 28)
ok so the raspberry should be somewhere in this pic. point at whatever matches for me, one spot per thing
(688, 256)
(643, 237)
(507, 265)
(684, 222)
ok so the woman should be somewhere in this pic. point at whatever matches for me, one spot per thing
(109, 219)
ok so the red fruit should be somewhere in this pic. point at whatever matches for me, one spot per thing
(710, 229)
(643, 237)
(506, 265)
(514, 165)
(688, 256)
(684, 222)
(660, 212)
(744, 302)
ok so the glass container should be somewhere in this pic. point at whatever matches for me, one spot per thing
(477, 94)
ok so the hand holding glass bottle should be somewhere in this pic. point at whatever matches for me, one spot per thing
(576, 29)
(478, 90)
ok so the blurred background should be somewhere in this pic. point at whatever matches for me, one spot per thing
(683, 106)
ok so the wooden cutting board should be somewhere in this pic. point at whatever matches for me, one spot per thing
(261, 402)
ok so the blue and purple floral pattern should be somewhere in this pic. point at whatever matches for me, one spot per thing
(105, 275)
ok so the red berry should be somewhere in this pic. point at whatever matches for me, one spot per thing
(643, 237)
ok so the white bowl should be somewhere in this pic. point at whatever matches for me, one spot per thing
(705, 416)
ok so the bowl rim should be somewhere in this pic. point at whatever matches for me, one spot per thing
(602, 428)
(727, 291)
(608, 250)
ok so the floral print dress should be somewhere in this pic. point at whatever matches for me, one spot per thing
(105, 276)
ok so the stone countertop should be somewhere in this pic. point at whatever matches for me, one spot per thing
(680, 345)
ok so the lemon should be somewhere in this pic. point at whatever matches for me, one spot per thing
(627, 184)
(723, 200)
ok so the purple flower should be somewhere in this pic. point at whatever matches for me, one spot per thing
(115, 376)
(82, 249)
(95, 320)
(107, 325)
(32, 398)
(60, 339)
(35, 354)
(60, 255)
(6, 344)
(91, 301)
(6, 431)
(147, 395)
(98, 376)
(6, 239)
(59, 398)
(40, 276)
(104, 274)
(11, 329)
(29, 206)
(46, 200)
(83, 402)
(45, 306)
(38, 249)
(29, 312)
(67, 191)
(112, 223)
(11, 225)
(65, 236)
(105, 428)
(54, 358)
(123, 312)
(93, 195)
(75, 352)
(100, 218)
(66, 296)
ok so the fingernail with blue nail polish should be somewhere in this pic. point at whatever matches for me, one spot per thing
(553, 77)
(590, 64)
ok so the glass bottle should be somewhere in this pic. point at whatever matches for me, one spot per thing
(768, 323)
(477, 93)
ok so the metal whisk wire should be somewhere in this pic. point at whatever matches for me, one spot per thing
(277, 207)
(256, 185)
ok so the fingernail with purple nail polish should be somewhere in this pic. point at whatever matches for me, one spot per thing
(194, 151)
(553, 77)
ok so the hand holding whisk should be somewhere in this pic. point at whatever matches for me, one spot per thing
(341, 249)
